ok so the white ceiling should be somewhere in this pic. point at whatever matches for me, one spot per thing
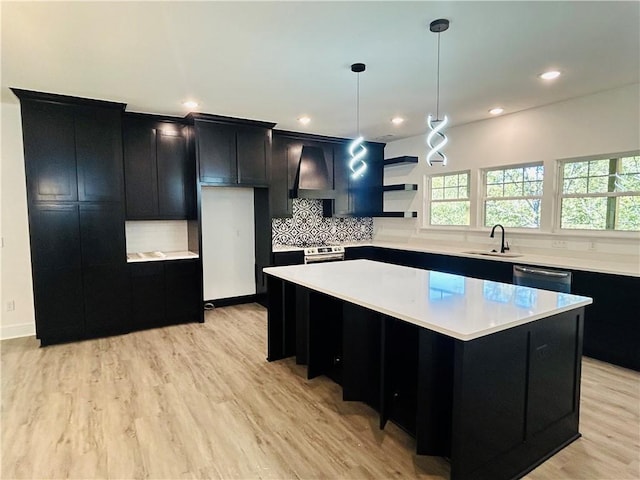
(276, 61)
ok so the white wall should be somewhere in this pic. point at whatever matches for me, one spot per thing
(604, 123)
(15, 262)
(228, 242)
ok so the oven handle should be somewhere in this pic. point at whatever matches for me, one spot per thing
(324, 258)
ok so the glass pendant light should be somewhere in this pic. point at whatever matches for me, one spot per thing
(357, 150)
(436, 139)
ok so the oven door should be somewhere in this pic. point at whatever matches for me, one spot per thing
(329, 257)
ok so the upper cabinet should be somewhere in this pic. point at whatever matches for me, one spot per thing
(314, 166)
(360, 197)
(74, 149)
(159, 177)
(231, 151)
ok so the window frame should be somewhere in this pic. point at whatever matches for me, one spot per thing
(482, 194)
(427, 179)
(560, 195)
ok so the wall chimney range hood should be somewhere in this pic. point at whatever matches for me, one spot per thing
(312, 175)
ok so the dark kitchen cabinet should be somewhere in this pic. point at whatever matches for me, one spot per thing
(165, 292)
(57, 271)
(99, 154)
(73, 160)
(611, 328)
(59, 304)
(49, 147)
(159, 176)
(231, 151)
(102, 234)
(359, 196)
(106, 299)
(182, 287)
(74, 152)
(147, 294)
(253, 154)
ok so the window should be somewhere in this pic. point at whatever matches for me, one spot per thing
(513, 196)
(602, 194)
(449, 199)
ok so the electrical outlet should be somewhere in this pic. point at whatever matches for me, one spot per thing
(11, 306)
(559, 244)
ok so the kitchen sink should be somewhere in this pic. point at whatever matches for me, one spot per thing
(493, 254)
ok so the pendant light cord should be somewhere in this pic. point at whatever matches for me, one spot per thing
(358, 104)
(438, 84)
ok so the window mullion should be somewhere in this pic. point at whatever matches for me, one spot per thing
(611, 201)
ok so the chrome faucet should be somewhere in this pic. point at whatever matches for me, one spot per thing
(503, 248)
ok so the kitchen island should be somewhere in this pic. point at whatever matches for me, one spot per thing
(484, 373)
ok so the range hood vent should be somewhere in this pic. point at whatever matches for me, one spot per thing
(312, 176)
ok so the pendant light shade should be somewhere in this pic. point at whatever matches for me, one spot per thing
(436, 139)
(357, 150)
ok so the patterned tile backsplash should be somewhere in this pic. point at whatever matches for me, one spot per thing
(308, 227)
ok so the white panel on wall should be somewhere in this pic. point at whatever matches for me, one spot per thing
(156, 235)
(228, 242)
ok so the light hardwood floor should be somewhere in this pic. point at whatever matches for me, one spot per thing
(201, 401)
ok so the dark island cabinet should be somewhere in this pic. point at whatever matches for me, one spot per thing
(159, 177)
(232, 151)
(75, 198)
(165, 292)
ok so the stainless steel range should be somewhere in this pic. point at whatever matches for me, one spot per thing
(323, 254)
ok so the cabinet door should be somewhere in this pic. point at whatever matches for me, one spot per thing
(59, 307)
(99, 154)
(183, 292)
(141, 182)
(49, 151)
(106, 299)
(102, 234)
(252, 146)
(342, 180)
(171, 158)
(366, 192)
(57, 277)
(147, 294)
(216, 153)
(55, 236)
(280, 202)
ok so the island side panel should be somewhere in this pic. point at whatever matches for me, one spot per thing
(281, 318)
(516, 397)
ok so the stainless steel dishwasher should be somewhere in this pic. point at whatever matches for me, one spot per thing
(556, 280)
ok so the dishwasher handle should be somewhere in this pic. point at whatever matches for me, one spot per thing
(539, 271)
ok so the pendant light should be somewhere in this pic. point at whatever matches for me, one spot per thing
(356, 149)
(435, 154)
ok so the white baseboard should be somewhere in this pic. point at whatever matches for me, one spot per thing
(15, 331)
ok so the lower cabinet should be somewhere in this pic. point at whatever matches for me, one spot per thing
(165, 292)
(106, 300)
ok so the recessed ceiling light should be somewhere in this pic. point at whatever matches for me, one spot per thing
(550, 75)
(496, 111)
(190, 104)
(304, 120)
(397, 120)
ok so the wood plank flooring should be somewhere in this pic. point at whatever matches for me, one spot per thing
(201, 401)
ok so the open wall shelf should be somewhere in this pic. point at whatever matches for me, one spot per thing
(400, 187)
(397, 161)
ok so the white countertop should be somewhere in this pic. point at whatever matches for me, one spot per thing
(159, 256)
(584, 264)
(456, 306)
(631, 269)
